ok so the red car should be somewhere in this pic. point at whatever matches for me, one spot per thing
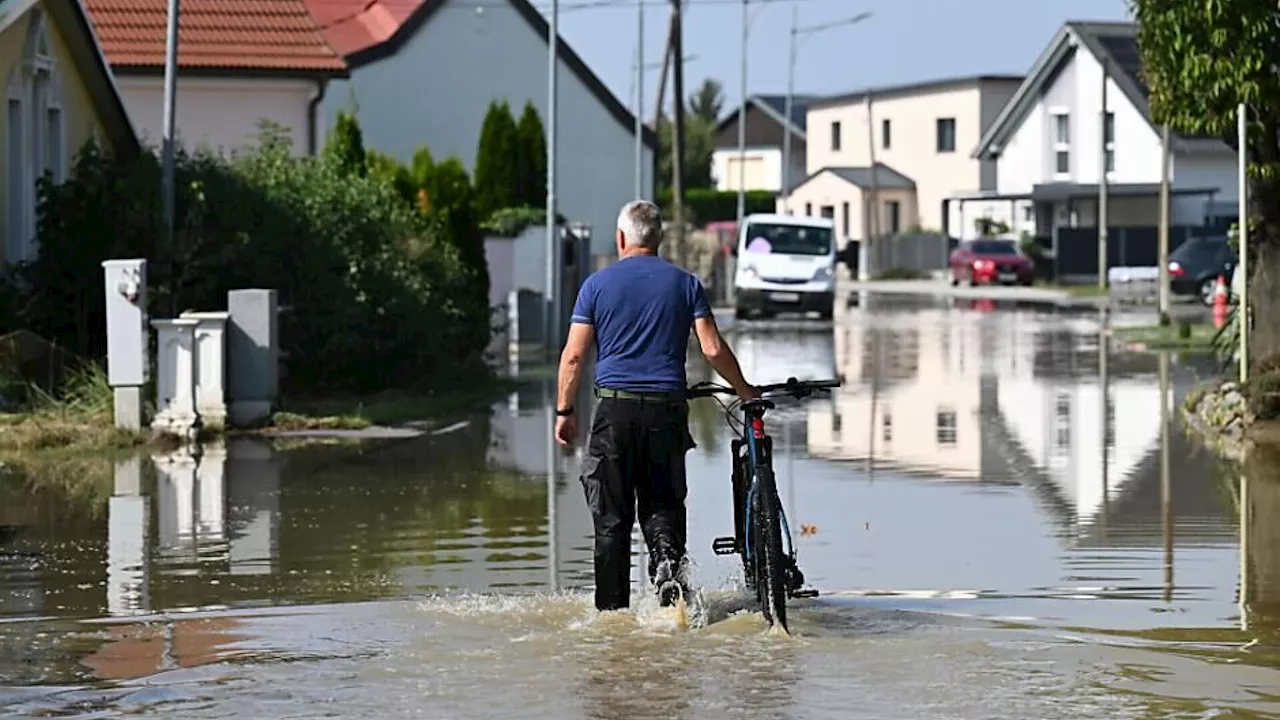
(990, 261)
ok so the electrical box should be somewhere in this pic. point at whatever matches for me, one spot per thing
(127, 329)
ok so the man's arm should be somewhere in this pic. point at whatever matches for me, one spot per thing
(571, 361)
(721, 357)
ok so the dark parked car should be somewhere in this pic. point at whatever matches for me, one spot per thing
(989, 262)
(1194, 267)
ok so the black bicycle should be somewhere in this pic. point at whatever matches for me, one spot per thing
(759, 522)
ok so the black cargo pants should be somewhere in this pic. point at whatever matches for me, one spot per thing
(635, 465)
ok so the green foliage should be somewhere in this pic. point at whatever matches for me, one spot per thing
(452, 216)
(701, 115)
(705, 205)
(497, 174)
(345, 146)
(389, 171)
(531, 155)
(381, 295)
(510, 222)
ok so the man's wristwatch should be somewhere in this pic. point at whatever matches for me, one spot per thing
(565, 412)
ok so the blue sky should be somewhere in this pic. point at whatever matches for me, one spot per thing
(903, 40)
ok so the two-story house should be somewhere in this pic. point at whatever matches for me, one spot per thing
(760, 166)
(1048, 142)
(915, 137)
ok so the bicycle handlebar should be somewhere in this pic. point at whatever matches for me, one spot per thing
(793, 387)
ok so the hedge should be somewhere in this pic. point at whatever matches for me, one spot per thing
(705, 205)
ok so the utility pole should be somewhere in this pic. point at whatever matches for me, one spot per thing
(639, 100)
(167, 183)
(1103, 215)
(1163, 254)
(742, 124)
(677, 131)
(1242, 309)
(786, 114)
(662, 76)
(552, 334)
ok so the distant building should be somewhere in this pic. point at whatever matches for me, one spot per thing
(1047, 148)
(240, 64)
(766, 128)
(919, 134)
(423, 74)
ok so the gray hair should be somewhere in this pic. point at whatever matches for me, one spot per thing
(641, 224)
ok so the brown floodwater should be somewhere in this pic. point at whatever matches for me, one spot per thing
(999, 519)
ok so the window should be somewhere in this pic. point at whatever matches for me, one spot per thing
(835, 136)
(946, 427)
(35, 143)
(888, 426)
(1109, 137)
(893, 209)
(1062, 422)
(837, 423)
(808, 209)
(1028, 213)
(886, 134)
(828, 212)
(844, 219)
(1062, 143)
(946, 135)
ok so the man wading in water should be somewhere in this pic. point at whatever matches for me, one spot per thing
(639, 311)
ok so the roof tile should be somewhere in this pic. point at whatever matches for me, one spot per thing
(228, 34)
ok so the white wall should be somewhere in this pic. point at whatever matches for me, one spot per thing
(435, 91)
(764, 169)
(219, 113)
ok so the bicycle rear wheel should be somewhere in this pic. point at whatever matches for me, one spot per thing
(766, 547)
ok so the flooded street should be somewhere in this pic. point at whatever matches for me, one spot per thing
(1000, 522)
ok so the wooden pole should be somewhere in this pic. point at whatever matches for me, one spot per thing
(677, 132)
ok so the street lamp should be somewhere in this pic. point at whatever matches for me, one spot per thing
(791, 81)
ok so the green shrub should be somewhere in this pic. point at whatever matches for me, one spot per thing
(382, 295)
(531, 156)
(704, 205)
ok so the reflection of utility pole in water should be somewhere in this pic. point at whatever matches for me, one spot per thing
(1260, 539)
(875, 397)
(791, 482)
(553, 580)
(1104, 334)
(1166, 491)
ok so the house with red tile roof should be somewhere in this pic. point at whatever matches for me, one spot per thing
(423, 73)
(60, 94)
(239, 62)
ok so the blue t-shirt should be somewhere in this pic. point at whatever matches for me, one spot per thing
(642, 308)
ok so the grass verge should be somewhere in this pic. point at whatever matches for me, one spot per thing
(81, 416)
(1083, 291)
(1180, 336)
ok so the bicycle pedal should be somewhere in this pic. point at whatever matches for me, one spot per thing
(724, 545)
(804, 593)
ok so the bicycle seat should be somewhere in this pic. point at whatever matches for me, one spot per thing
(761, 403)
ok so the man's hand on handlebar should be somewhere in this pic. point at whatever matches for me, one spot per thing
(747, 392)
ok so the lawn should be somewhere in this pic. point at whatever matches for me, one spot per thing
(1168, 337)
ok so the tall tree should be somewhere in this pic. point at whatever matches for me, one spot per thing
(701, 115)
(707, 101)
(1200, 60)
(531, 149)
(496, 179)
(345, 144)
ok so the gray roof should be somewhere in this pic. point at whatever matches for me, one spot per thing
(923, 86)
(886, 177)
(1114, 44)
(775, 107)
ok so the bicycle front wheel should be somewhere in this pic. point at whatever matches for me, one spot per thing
(766, 545)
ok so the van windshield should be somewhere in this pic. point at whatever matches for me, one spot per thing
(788, 239)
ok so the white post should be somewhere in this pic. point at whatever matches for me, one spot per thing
(125, 284)
(210, 351)
(175, 377)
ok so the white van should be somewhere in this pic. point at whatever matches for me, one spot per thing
(785, 264)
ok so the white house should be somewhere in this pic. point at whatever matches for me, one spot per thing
(1047, 144)
(915, 136)
(239, 64)
(60, 95)
(423, 74)
(760, 166)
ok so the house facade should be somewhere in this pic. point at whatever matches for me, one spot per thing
(239, 65)
(60, 95)
(919, 132)
(760, 166)
(1047, 144)
(391, 47)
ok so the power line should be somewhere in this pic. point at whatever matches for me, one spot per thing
(613, 4)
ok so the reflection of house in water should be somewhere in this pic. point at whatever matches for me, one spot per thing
(915, 391)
